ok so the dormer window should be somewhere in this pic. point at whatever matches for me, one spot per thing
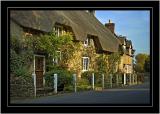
(86, 42)
(124, 47)
(58, 30)
(130, 51)
(27, 34)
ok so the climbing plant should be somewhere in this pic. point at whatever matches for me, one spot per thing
(113, 62)
(108, 63)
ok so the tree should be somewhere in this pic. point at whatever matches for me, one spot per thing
(108, 63)
(141, 62)
(147, 64)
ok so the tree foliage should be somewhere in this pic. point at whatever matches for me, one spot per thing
(113, 61)
(108, 63)
(20, 58)
(142, 62)
(147, 64)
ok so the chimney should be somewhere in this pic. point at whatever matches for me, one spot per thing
(92, 12)
(110, 26)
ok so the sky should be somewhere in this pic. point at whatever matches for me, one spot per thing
(135, 25)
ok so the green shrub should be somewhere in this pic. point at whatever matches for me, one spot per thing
(64, 77)
(18, 64)
(23, 71)
(15, 61)
(83, 87)
(69, 88)
(83, 82)
(88, 75)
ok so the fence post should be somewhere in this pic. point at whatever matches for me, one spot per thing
(102, 81)
(34, 80)
(55, 83)
(136, 78)
(133, 79)
(93, 81)
(117, 79)
(130, 79)
(75, 80)
(124, 79)
(111, 80)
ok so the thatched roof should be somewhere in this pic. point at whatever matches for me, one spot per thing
(81, 22)
(122, 40)
(129, 43)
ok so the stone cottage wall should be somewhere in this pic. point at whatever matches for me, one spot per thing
(21, 87)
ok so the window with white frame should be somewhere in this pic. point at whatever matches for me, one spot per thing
(58, 30)
(124, 47)
(86, 42)
(130, 49)
(57, 58)
(85, 63)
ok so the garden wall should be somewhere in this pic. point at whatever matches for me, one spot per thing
(21, 87)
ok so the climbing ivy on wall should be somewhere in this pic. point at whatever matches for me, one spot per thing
(113, 62)
(48, 44)
(72, 52)
(108, 63)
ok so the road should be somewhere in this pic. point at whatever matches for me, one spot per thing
(137, 94)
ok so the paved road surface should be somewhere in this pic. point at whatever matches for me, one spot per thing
(137, 94)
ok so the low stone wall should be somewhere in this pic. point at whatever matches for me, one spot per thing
(21, 87)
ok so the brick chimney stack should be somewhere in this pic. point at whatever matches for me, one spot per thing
(110, 26)
(92, 12)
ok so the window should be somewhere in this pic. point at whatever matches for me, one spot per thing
(125, 68)
(58, 30)
(86, 42)
(57, 59)
(130, 51)
(128, 68)
(27, 34)
(85, 63)
(124, 47)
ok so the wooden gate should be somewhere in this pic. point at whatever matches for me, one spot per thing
(39, 69)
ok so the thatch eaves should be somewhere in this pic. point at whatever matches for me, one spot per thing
(81, 23)
(122, 40)
(129, 43)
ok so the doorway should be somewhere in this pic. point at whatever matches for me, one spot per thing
(39, 68)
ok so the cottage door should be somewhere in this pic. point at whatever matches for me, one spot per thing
(39, 64)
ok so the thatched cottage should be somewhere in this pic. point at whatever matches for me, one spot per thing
(84, 26)
(126, 62)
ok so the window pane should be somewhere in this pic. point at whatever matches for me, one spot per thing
(85, 63)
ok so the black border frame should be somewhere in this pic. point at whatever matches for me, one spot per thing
(78, 5)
